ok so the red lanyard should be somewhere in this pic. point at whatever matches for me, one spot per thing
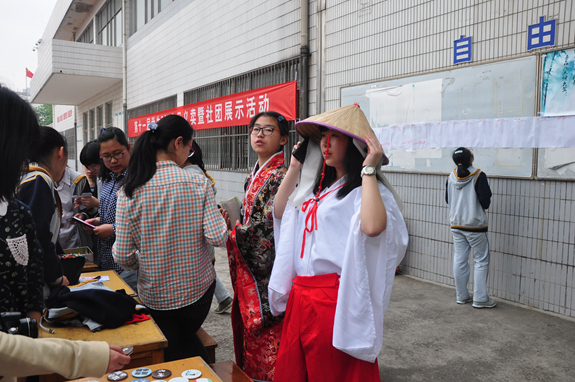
(311, 215)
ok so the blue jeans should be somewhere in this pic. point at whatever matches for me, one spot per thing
(463, 241)
(221, 293)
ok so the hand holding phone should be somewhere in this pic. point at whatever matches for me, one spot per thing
(299, 153)
(83, 222)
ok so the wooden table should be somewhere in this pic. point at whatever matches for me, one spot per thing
(115, 282)
(228, 371)
(176, 367)
(145, 336)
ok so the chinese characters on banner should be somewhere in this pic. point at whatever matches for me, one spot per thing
(64, 116)
(233, 110)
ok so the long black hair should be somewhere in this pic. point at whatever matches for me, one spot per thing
(142, 166)
(106, 135)
(462, 157)
(90, 154)
(19, 132)
(353, 165)
(49, 140)
(197, 158)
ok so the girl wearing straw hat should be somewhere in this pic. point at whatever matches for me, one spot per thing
(339, 238)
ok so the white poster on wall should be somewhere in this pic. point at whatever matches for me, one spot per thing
(527, 132)
(411, 103)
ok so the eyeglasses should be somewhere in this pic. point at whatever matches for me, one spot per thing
(117, 156)
(266, 130)
(192, 151)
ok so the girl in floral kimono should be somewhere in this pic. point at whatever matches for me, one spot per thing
(251, 251)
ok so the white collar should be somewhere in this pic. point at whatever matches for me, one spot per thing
(3, 208)
(66, 178)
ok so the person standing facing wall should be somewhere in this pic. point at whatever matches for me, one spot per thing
(469, 195)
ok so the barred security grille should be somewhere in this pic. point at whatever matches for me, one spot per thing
(154, 107)
(228, 148)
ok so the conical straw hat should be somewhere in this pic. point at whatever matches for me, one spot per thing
(348, 120)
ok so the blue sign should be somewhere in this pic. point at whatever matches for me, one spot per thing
(462, 50)
(541, 34)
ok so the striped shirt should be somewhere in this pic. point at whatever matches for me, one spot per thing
(169, 220)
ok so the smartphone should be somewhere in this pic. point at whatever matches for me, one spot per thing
(84, 195)
(83, 222)
(300, 152)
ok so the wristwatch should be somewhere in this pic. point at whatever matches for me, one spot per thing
(367, 170)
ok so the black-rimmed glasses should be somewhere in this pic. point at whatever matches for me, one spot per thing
(266, 130)
(117, 156)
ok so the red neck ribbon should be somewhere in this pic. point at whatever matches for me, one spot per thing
(311, 216)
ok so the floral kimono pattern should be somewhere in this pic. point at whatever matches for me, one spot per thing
(251, 253)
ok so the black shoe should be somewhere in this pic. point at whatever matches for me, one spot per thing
(224, 305)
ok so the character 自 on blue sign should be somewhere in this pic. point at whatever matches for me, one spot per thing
(462, 50)
(541, 34)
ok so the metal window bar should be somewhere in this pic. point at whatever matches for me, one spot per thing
(154, 107)
(228, 148)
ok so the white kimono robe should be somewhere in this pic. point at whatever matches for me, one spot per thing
(366, 265)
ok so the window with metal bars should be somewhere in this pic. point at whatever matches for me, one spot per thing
(163, 104)
(71, 142)
(228, 148)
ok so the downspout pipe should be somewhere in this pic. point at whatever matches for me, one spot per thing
(304, 61)
(125, 65)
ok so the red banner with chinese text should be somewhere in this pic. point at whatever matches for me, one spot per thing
(233, 110)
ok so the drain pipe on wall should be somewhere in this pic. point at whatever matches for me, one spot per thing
(125, 66)
(304, 61)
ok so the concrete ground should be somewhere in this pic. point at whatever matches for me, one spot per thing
(428, 337)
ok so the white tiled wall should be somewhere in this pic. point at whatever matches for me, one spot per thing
(370, 40)
(65, 123)
(114, 95)
(229, 185)
(532, 222)
(194, 43)
(531, 235)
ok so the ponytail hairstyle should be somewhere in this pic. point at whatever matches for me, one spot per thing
(19, 133)
(353, 165)
(282, 123)
(142, 166)
(106, 135)
(197, 158)
(48, 141)
(462, 157)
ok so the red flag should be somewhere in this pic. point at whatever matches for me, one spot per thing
(29, 74)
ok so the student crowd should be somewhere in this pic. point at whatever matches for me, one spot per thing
(312, 259)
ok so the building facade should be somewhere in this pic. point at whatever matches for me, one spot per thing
(404, 62)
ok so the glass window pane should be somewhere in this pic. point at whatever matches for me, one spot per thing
(149, 10)
(140, 14)
(93, 133)
(119, 30)
(85, 129)
(164, 4)
(109, 115)
(104, 35)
